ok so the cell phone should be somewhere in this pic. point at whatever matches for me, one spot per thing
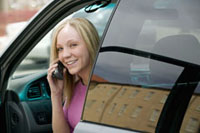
(58, 73)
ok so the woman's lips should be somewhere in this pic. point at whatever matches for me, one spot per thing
(71, 63)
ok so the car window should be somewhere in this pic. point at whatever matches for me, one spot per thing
(38, 59)
(148, 46)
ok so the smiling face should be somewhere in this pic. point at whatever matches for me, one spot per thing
(73, 52)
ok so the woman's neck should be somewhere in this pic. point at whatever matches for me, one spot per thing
(84, 75)
(84, 81)
(84, 78)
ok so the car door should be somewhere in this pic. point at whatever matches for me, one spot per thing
(25, 94)
(146, 76)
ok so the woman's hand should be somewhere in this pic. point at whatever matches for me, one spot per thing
(56, 85)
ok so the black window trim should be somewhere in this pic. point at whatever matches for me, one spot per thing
(149, 55)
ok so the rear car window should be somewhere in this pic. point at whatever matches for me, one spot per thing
(146, 49)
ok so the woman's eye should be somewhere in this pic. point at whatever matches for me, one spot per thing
(73, 45)
(59, 49)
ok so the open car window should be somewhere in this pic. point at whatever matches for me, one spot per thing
(27, 92)
(38, 59)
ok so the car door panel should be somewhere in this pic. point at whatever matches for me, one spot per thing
(86, 127)
(27, 105)
(136, 84)
(15, 119)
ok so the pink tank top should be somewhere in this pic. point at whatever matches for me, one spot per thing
(74, 111)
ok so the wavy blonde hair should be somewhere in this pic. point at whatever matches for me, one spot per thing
(91, 38)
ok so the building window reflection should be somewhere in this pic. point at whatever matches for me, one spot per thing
(112, 108)
(154, 115)
(123, 91)
(134, 93)
(111, 91)
(122, 109)
(192, 125)
(136, 111)
(198, 108)
(149, 96)
(164, 98)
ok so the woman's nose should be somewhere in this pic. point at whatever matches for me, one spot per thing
(66, 53)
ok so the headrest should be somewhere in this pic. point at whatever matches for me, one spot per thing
(183, 47)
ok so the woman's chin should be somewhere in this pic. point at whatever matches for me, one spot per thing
(73, 72)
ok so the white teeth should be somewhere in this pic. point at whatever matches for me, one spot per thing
(70, 62)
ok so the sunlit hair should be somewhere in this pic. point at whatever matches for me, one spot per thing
(89, 35)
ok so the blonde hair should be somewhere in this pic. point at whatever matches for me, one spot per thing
(89, 35)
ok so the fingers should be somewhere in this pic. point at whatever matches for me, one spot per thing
(51, 70)
(64, 72)
(56, 86)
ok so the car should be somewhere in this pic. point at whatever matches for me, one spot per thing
(145, 77)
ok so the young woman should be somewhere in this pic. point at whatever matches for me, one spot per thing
(75, 44)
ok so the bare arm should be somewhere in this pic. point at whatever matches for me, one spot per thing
(59, 124)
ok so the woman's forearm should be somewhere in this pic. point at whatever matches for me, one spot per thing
(59, 123)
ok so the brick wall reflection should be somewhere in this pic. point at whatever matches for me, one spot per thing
(134, 107)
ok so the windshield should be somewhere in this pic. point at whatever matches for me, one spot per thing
(14, 15)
